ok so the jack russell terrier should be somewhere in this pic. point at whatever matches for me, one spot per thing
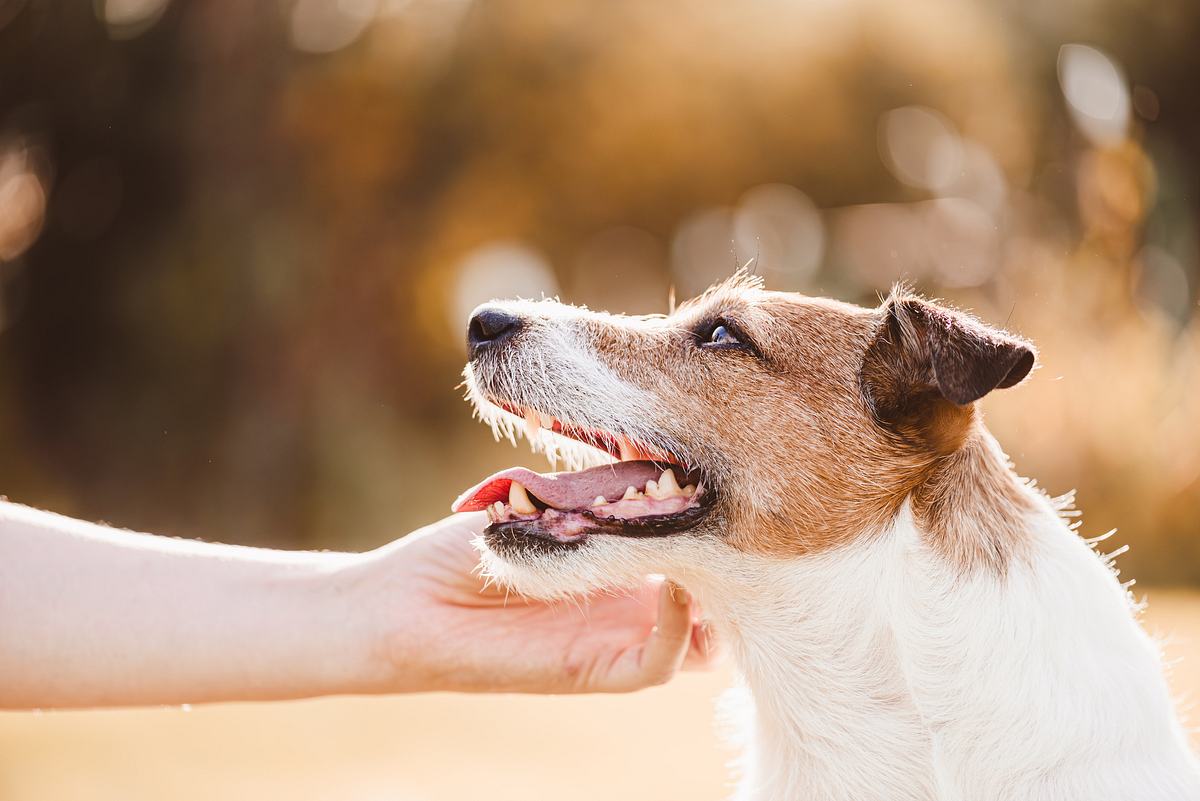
(911, 619)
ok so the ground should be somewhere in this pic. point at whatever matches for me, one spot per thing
(659, 745)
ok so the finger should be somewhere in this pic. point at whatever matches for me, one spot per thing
(657, 659)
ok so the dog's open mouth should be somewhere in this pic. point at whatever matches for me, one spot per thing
(645, 493)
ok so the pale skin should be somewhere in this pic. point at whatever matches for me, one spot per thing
(92, 616)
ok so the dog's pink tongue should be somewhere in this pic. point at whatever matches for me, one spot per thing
(561, 490)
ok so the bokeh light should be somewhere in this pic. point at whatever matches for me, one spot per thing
(703, 251)
(921, 147)
(126, 19)
(497, 270)
(980, 179)
(323, 26)
(1097, 92)
(1162, 282)
(22, 202)
(779, 227)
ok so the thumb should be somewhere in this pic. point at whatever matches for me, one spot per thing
(657, 659)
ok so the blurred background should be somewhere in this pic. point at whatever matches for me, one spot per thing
(239, 242)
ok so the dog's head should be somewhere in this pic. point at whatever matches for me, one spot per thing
(746, 421)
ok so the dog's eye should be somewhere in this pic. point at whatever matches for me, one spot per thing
(722, 336)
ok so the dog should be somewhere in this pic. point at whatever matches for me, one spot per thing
(912, 621)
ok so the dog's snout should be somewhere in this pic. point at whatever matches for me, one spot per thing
(489, 326)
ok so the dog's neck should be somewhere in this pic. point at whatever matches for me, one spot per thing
(819, 653)
(953, 637)
(972, 508)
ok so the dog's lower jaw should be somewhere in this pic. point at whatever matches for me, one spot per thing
(882, 672)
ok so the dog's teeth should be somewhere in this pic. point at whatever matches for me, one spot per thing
(631, 494)
(518, 499)
(689, 490)
(600, 501)
(665, 487)
(533, 424)
(628, 454)
(546, 420)
(667, 484)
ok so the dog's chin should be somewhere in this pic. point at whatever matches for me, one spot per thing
(599, 564)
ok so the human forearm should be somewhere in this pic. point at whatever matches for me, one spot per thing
(90, 616)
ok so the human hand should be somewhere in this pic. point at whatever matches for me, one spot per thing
(441, 627)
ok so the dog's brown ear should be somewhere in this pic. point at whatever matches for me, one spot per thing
(923, 353)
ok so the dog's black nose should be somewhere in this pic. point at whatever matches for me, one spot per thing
(491, 325)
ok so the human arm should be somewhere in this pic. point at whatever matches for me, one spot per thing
(92, 616)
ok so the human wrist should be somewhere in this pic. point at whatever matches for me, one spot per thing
(329, 617)
(387, 654)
